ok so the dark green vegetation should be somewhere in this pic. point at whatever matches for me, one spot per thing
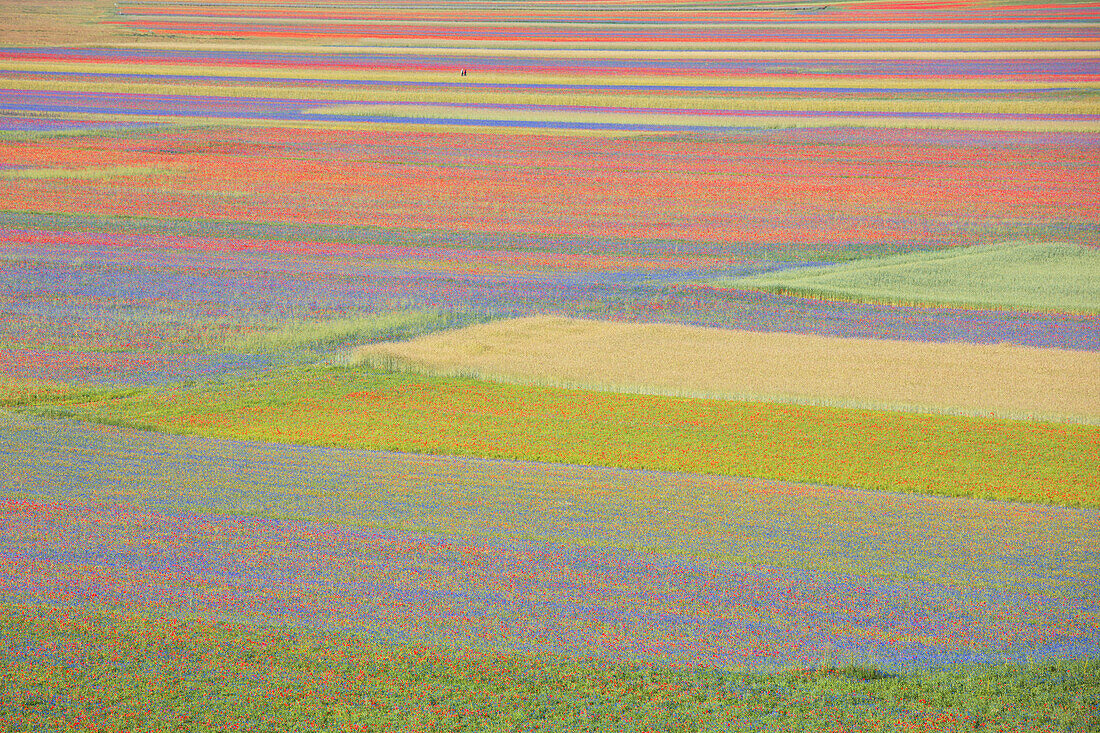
(121, 671)
(1055, 277)
(356, 408)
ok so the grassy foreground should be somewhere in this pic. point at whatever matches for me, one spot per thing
(123, 671)
(1043, 277)
(355, 408)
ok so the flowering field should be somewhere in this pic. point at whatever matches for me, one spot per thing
(347, 407)
(160, 674)
(522, 557)
(1014, 545)
(213, 518)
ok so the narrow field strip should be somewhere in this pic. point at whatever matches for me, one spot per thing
(42, 64)
(243, 76)
(161, 107)
(1028, 68)
(160, 52)
(357, 408)
(572, 33)
(591, 127)
(469, 256)
(682, 360)
(755, 24)
(348, 97)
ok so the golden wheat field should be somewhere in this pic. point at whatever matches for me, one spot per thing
(999, 379)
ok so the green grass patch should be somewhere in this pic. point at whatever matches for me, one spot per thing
(17, 392)
(335, 333)
(356, 408)
(1042, 277)
(124, 671)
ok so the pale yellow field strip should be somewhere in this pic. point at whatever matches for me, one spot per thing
(634, 48)
(1003, 380)
(676, 22)
(654, 116)
(500, 128)
(390, 75)
(376, 96)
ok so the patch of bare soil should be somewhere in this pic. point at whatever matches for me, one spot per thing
(57, 22)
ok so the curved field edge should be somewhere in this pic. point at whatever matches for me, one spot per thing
(689, 361)
(1044, 277)
(300, 334)
(354, 408)
(116, 669)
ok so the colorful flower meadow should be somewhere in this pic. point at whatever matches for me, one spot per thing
(213, 518)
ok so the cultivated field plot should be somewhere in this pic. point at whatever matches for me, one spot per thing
(382, 366)
(687, 360)
(1059, 277)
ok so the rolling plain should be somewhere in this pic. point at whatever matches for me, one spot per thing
(538, 366)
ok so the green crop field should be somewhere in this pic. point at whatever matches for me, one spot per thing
(1053, 277)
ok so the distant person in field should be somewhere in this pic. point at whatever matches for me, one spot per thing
(464, 72)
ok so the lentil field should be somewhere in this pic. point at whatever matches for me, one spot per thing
(531, 366)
